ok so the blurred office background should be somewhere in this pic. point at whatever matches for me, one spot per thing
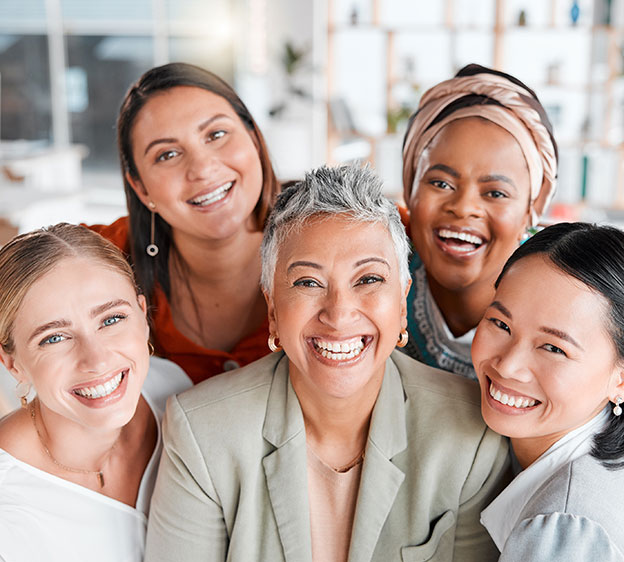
(327, 80)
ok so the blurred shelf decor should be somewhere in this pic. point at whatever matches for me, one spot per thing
(571, 52)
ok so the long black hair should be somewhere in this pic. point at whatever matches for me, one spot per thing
(155, 270)
(595, 256)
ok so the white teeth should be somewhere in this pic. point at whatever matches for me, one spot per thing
(213, 196)
(100, 390)
(339, 351)
(463, 236)
(519, 402)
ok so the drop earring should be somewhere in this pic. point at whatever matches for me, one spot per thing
(22, 390)
(152, 249)
(617, 410)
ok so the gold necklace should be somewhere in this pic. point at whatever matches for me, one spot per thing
(99, 474)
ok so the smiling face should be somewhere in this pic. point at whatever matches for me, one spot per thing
(81, 340)
(197, 163)
(543, 355)
(471, 203)
(337, 306)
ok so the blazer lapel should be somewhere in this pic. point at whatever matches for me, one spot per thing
(381, 479)
(286, 467)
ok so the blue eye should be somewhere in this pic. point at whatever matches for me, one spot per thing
(54, 338)
(113, 319)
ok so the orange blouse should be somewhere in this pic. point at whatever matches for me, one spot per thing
(198, 362)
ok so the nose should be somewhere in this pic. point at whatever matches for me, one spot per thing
(201, 163)
(339, 309)
(92, 356)
(513, 363)
(465, 202)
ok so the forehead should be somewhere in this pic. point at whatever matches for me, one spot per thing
(74, 283)
(337, 239)
(536, 290)
(477, 141)
(181, 103)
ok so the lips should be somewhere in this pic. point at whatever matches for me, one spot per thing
(206, 199)
(103, 389)
(510, 398)
(458, 241)
(340, 350)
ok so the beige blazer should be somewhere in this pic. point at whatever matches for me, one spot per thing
(233, 477)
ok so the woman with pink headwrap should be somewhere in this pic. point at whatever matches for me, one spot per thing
(479, 170)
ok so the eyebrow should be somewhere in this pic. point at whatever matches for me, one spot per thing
(96, 311)
(561, 335)
(497, 177)
(55, 324)
(200, 128)
(444, 168)
(303, 264)
(372, 259)
(502, 309)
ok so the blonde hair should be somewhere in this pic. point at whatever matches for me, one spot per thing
(28, 257)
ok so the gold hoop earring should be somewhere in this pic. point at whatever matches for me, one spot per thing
(274, 344)
(403, 339)
(150, 346)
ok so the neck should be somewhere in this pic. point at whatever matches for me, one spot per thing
(216, 262)
(337, 428)
(462, 309)
(72, 444)
(527, 451)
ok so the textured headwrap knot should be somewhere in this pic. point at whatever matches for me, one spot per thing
(512, 106)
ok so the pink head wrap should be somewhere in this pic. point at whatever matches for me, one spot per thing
(501, 100)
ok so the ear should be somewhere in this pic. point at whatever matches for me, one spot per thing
(143, 304)
(8, 361)
(404, 305)
(138, 188)
(271, 313)
(617, 386)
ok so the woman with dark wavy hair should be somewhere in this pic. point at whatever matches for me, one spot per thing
(199, 185)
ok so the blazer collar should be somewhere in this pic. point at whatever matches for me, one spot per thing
(381, 479)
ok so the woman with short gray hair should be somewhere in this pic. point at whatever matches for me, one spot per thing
(330, 449)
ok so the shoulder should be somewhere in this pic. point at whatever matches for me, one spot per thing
(582, 494)
(16, 434)
(560, 537)
(236, 399)
(164, 379)
(443, 412)
(434, 384)
(117, 232)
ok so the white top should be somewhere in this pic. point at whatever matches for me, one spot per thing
(46, 518)
(501, 516)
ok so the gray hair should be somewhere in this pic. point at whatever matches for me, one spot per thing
(351, 191)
